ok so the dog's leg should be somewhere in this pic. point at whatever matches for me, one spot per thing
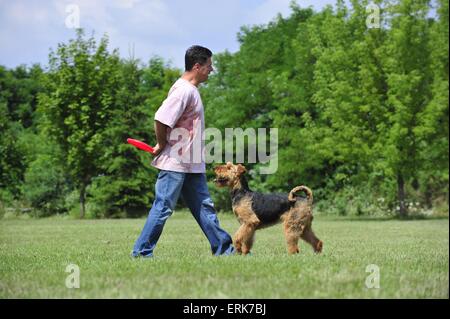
(251, 224)
(248, 240)
(309, 236)
(243, 239)
(292, 234)
(238, 239)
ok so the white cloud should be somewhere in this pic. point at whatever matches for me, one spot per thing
(125, 3)
(268, 10)
(28, 28)
(27, 13)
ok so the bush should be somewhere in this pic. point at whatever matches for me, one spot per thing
(220, 197)
(114, 197)
(6, 197)
(440, 206)
(351, 201)
(45, 186)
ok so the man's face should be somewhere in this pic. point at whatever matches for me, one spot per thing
(204, 70)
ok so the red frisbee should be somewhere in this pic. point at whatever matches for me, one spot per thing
(141, 145)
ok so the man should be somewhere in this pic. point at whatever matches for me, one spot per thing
(182, 170)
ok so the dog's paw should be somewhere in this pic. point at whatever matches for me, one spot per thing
(319, 247)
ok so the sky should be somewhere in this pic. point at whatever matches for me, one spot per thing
(139, 28)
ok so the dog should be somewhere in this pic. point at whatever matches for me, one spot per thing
(256, 210)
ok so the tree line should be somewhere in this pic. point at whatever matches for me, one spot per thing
(362, 114)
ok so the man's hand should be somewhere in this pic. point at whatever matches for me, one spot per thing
(156, 150)
(161, 137)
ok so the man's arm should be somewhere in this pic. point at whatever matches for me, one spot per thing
(161, 137)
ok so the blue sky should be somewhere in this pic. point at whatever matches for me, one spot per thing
(29, 28)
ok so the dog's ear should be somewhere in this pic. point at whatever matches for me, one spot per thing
(241, 169)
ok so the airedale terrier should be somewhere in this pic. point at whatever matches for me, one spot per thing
(255, 211)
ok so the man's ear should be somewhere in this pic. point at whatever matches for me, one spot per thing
(241, 169)
(197, 66)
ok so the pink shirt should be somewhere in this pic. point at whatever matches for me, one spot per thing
(183, 112)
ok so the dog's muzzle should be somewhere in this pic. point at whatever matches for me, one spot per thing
(220, 180)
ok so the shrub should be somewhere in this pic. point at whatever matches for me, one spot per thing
(45, 186)
(220, 197)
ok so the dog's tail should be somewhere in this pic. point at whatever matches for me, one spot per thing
(309, 194)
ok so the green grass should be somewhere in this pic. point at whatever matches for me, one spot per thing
(413, 258)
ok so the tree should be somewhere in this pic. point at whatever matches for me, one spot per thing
(356, 107)
(406, 63)
(82, 86)
(125, 183)
(248, 84)
(19, 88)
(433, 128)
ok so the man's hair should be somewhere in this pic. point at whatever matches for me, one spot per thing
(196, 54)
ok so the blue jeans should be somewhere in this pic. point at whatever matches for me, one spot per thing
(195, 193)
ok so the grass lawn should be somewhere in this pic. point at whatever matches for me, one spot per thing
(412, 256)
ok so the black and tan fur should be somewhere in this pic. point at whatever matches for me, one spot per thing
(256, 210)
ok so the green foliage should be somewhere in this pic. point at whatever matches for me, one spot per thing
(433, 119)
(220, 197)
(82, 85)
(95, 102)
(362, 114)
(45, 186)
(46, 182)
(358, 110)
(356, 202)
(73, 144)
(125, 183)
(18, 91)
